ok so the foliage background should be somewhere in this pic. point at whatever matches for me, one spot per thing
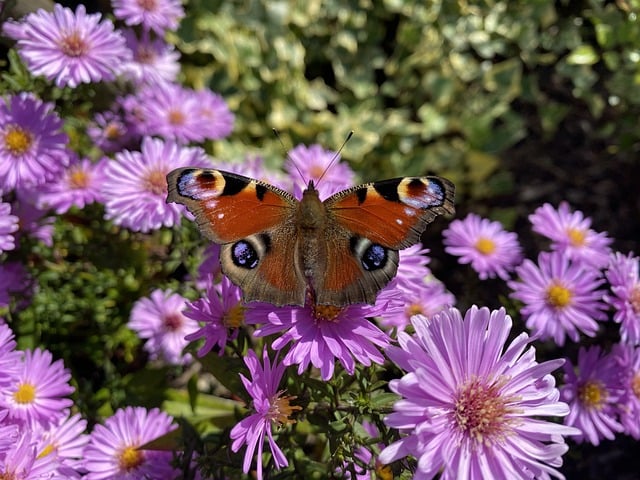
(517, 102)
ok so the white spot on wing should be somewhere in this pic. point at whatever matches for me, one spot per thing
(399, 221)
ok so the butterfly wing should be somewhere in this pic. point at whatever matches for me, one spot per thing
(254, 223)
(370, 224)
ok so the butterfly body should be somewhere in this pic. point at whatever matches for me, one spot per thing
(342, 250)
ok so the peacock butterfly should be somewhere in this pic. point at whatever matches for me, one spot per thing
(277, 249)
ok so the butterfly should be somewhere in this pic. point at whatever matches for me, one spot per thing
(278, 249)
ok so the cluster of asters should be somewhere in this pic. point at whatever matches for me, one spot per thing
(471, 403)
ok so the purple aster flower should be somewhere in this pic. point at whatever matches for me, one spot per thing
(472, 408)
(319, 334)
(22, 462)
(72, 48)
(159, 319)
(110, 132)
(154, 60)
(221, 312)
(569, 233)
(592, 394)
(209, 267)
(184, 115)
(64, 443)
(413, 266)
(627, 360)
(114, 448)
(561, 298)
(156, 15)
(135, 187)
(34, 221)
(313, 163)
(10, 358)
(484, 244)
(37, 393)
(8, 225)
(79, 185)
(32, 145)
(623, 277)
(272, 408)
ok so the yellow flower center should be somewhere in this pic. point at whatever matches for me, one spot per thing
(481, 412)
(281, 409)
(176, 117)
(148, 5)
(576, 236)
(485, 246)
(78, 179)
(26, 393)
(155, 182)
(234, 317)
(130, 458)
(326, 312)
(46, 451)
(558, 296)
(73, 45)
(592, 394)
(112, 131)
(17, 140)
(317, 171)
(634, 299)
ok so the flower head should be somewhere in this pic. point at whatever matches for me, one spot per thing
(271, 408)
(110, 132)
(156, 15)
(135, 187)
(561, 298)
(154, 60)
(484, 244)
(10, 358)
(592, 393)
(63, 442)
(71, 48)
(571, 234)
(8, 225)
(623, 277)
(160, 320)
(627, 360)
(22, 461)
(32, 145)
(114, 448)
(470, 407)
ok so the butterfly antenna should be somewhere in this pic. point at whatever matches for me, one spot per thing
(286, 153)
(335, 157)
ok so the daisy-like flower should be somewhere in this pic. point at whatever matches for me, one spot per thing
(156, 15)
(154, 61)
(623, 277)
(592, 392)
(272, 408)
(8, 226)
(561, 298)
(10, 358)
(110, 132)
(22, 462)
(472, 408)
(113, 452)
(571, 234)
(627, 360)
(320, 334)
(79, 185)
(37, 393)
(413, 266)
(64, 443)
(484, 244)
(160, 320)
(209, 267)
(32, 145)
(305, 163)
(135, 187)
(221, 313)
(72, 48)
(184, 115)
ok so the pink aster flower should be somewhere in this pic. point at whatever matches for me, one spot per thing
(471, 407)
(113, 452)
(8, 226)
(561, 298)
(413, 266)
(79, 185)
(160, 320)
(10, 358)
(623, 277)
(38, 392)
(63, 443)
(184, 115)
(72, 48)
(571, 234)
(156, 15)
(209, 267)
(110, 132)
(627, 368)
(305, 163)
(22, 462)
(221, 313)
(32, 145)
(484, 244)
(320, 334)
(135, 187)
(272, 408)
(592, 393)
(154, 60)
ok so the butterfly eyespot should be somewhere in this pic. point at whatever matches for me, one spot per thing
(244, 255)
(374, 257)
